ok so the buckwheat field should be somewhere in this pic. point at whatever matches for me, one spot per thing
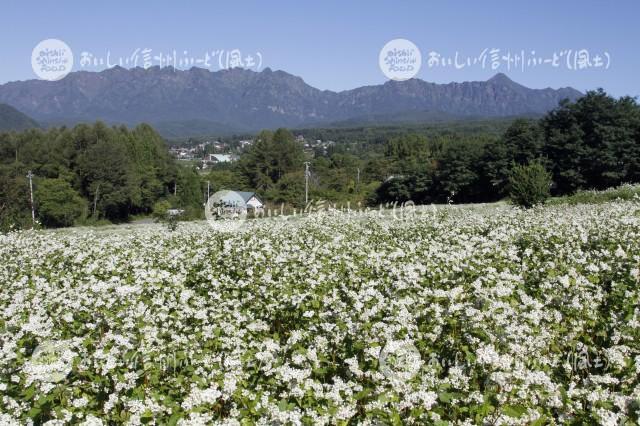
(455, 315)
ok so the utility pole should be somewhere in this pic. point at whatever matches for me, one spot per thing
(175, 188)
(206, 200)
(33, 212)
(358, 180)
(306, 182)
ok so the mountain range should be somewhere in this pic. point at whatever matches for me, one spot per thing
(199, 101)
(12, 119)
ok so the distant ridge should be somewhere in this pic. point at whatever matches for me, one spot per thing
(200, 101)
(12, 119)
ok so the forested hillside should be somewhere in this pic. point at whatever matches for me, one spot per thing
(94, 172)
(593, 143)
(12, 119)
(90, 172)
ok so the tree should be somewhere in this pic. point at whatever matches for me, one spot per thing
(58, 204)
(457, 175)
(593, 142)
(271, 157)
(523, 141)
(220, 179)
(410, 154)
(529, 184)
(520, 144)
(394, 190)
(15, 205)
(287, 154)
(288, 190)
(105, 178)
(415, 188)
(377, 169)
(189, 194)
(495, 168)
(118, 171)
(162, 214)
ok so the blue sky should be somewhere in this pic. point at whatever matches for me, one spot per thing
(335, 44)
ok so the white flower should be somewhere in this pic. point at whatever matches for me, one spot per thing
(80, 402)
(91, 420)
(199, 397)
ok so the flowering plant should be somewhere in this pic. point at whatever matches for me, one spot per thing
(294, 322)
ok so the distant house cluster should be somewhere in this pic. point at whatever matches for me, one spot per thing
(214, 152)
(313, 146)
(181, 153)
(210, 153)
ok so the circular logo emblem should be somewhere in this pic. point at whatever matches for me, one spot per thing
(52, 59)
(400, 59)
(227, 210)
(400, 361)
(50, 362)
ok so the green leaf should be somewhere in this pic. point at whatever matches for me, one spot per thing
(514, 410)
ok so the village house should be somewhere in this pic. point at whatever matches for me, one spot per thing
(239, 202)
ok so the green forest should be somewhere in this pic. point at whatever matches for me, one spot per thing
(86, 174)
(94, 173)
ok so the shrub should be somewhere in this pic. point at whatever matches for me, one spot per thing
(160, 209)
(161, 213)
(529, 184)
(623, 192)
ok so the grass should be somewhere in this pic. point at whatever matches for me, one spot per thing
(623, 192)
